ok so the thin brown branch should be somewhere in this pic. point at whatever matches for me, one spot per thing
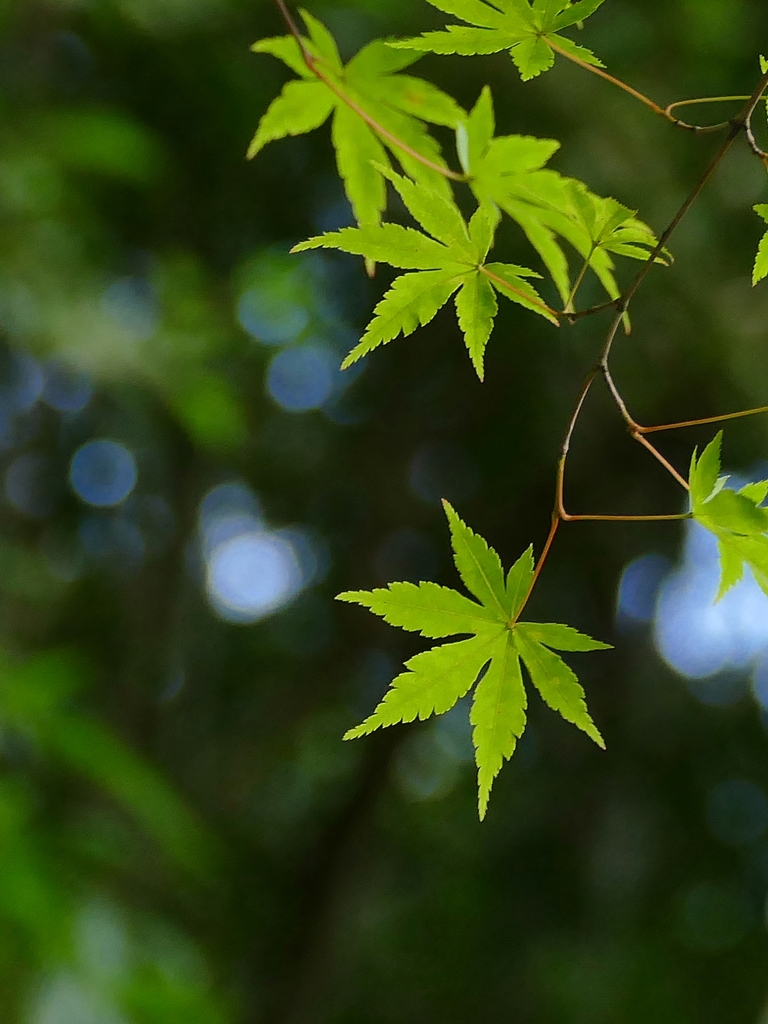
(601, 73)
(708, 99)
(706, 128)
(582, 313)
(753, 144)
(293, 28)
(616, 394)
(314, 65)
(707, 421)
(713, 165)
(556, 520)
(665, 112)
(660, 458)
(635, 430)
(627, 519)
(738, 125)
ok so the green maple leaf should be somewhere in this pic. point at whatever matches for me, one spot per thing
(761, 263)
(511, 172)
(490, 661)
(734, 517)
(398, 103)
(450, 259)
(600, 228)
(530, 31)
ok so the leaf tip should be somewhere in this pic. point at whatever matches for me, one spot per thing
(598, 739)
(350, 361)
(255, 147)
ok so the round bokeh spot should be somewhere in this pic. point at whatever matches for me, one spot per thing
(103, 473)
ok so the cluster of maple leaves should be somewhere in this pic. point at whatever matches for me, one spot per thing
(506, 173)
(380, 114)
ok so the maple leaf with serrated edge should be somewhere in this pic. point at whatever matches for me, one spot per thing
(490, 661)
(600, 228)
(400, 104)
(761, 263)
(736, 518)
(450, 259)
(510, 171)
(530, 31)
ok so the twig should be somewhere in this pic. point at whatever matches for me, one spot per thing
(635, 430)
(753, 145)
(703, 422)
(626, 519)
(616, 395)
(556, 521)
(610, 78)
(660, 458)
(702, 100)
(665, 112)
(600, 308)
(737, 126)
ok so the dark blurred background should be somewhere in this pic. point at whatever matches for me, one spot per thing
(188, 480)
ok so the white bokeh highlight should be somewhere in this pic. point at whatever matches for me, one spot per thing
(251, 571)
(698, 637)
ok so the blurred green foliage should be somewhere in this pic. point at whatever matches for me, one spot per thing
(183, 836)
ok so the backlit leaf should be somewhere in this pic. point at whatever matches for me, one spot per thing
(476, 307)
(426, 608)
(397, 104)
(557, 684)
(510, 172)
(301, 107)
(528, 31)
(489, 660)
(761, 263)
(456, 250)
(435, 681)
(358, 150)
(478, 564)
(735, 518)
(412, 301)
(497, 716)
